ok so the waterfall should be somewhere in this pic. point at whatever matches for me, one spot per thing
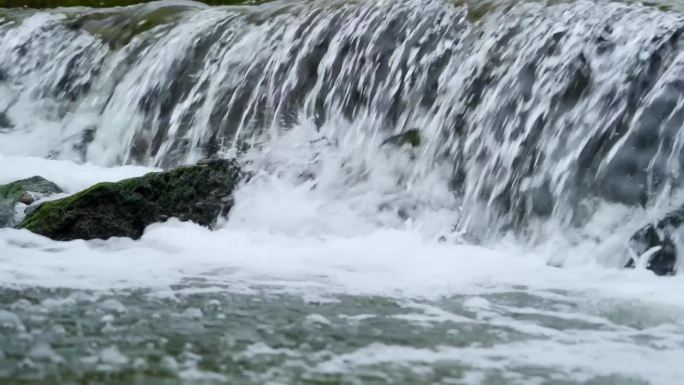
(526, 113)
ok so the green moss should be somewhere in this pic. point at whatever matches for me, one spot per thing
(118, 28)
(197, 193)
(12, 191)
(51, 212)
(660, 5)
(413, 138)
(477, 9)
(409, 137)
(477, 13)
(24, 191)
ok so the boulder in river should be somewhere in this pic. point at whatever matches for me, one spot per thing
(656, 242)
(197, 193)
(25, 191)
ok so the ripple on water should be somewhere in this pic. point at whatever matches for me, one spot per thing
(514, 337)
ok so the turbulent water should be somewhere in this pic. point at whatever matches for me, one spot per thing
(485, 250)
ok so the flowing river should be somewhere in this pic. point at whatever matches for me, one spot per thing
(441, 192)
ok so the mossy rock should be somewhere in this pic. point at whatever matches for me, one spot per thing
(410, 137)
(478, 9)
(6, 213)
(25, 191)
(36, 184)
(117, 29)
(123, 209)
(117, 22)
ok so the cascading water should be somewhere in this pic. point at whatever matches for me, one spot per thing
(530, 111)
(384, 137)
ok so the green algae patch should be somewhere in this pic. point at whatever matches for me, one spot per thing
(25, 191)
(15, 190)
(410, 137)
(11, 191)
(123, 209)
(477, 9)
(118, 28)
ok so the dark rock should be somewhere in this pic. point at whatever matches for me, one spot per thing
(123, 209)
(411, 137)
(25, 191)
(542, 201)
(5, 122)
(34, 184)
(7, 216)
(656, 242)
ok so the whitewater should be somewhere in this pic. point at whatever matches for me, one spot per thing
(490, 253)
(488, 313)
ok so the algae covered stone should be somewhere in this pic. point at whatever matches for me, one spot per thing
(410, 137)
(6, 213)
(24, 191)
(197, 193)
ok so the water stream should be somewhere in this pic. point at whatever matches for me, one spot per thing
(442, 192)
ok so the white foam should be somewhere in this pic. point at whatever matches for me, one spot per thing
(400, 260)
(581, 361)
(269, 244)
(70, 176)
(383, 262)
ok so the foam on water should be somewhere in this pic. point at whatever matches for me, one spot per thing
(295, 240)
(600, 324)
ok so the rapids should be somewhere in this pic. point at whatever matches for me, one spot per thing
(485, 250)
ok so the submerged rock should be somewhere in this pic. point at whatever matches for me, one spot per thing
(656, 242)
(25, 191)
(5, 122)
(409, 137)
(123, 209)
(119, 28)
